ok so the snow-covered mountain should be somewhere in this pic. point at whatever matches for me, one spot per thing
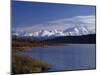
(75, 31)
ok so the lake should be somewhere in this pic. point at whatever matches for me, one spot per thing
(66, 57)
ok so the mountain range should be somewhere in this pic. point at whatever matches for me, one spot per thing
(45, 34)
(71, 35)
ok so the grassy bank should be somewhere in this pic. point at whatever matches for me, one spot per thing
(22, 64)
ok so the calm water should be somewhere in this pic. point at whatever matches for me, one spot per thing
(66, 57)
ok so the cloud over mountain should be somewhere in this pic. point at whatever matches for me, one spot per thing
(61, 24)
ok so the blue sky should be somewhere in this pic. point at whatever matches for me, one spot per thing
(32, 16)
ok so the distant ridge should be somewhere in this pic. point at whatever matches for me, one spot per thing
(83, 39)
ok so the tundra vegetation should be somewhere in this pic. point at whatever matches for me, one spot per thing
(22, 63)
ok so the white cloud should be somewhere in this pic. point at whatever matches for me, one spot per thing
(62, 24)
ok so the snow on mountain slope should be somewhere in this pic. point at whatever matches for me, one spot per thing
(74, 31)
